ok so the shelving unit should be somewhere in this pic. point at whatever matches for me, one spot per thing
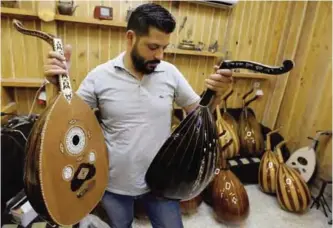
(91, 21)
(20, 13)
(22, 82)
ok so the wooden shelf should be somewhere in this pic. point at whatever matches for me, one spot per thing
(253, 76)
(21, 13)
(22, 82)
(25, 13)
(192, 52)
(92, 21)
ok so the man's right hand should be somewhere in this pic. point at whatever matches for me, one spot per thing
(57, 64)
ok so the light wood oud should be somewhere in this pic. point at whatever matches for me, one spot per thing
(268, 167)
(66, 168)
(250, 135)
(292, 192)
(226, 122)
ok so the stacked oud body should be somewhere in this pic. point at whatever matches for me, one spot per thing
(229, 198)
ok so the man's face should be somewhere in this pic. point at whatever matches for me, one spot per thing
(147, 52)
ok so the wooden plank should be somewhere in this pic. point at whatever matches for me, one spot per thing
(91, 21)
(9, 108)
(296, 76)
(192, 52)
(317, 65)
(296, 18)
(7, 65)
(48, 27)
(82, 51)
(22, 82)
(18, 13)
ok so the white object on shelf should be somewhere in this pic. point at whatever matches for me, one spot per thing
(225, 4)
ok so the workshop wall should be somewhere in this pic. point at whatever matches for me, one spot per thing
(261, 31)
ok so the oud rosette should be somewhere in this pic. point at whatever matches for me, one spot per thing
(229, 198)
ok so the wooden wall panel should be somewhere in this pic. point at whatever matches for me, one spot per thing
(306, 106)
(261, 31)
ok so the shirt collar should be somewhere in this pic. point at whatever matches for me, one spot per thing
(119, 63)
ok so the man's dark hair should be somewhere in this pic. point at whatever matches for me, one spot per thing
(151, 14)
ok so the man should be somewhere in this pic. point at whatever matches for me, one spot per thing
(134, 93)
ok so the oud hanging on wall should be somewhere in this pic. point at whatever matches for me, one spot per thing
(227, 122)
(66, 170)
(250, 135)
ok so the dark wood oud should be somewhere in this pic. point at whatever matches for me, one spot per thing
(229, 200)
(66, 167)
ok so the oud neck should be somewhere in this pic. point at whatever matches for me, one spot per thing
(64, 81)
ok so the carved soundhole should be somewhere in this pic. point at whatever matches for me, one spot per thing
(75, 140)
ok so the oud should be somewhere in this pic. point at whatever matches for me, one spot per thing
(268, 167)
(66, 167)
(292, 192)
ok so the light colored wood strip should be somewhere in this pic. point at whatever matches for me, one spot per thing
(295, 81)
(21, 82)
(317, 65)
(26, 13)
(49, 27)
(9, 108)
(296, 17)
(192, 52)
(6, 49)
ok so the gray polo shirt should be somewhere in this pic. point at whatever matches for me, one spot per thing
(135, 115)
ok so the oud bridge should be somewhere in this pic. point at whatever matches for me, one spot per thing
(83, 174)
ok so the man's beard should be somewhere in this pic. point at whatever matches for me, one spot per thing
(140, 63)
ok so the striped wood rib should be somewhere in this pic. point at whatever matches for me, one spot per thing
(268, 168)
(231, 150)
(292, 192)
(250, 136)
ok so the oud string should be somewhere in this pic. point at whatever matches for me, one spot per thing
(35, 98)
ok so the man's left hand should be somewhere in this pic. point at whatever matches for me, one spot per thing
(217, 82)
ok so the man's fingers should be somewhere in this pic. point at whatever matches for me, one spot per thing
(56, 62)
(68, 52)
(51, 70)
(214, 83)
(225, 72)
(218, 77)
(53, 54)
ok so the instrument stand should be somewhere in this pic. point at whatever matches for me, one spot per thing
(320, 199)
